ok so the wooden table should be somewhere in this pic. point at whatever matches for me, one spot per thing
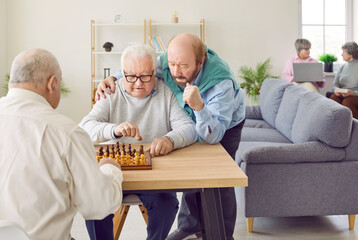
(200, 167)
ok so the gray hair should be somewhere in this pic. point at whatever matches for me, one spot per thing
(302, 43)
(351, 48)
(33, 66)
(139, 51)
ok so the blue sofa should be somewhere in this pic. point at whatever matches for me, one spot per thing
(300, 153)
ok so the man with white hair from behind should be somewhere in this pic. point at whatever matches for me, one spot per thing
(48, 164)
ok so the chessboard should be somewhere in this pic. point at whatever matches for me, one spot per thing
(129, 158)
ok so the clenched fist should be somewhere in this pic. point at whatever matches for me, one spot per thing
(192, 97)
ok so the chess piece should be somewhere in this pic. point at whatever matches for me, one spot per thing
(130, 150)
(142, 159)
(107, 150)
(128, 159)
(100, 153)
(136, 159)
(141, 150)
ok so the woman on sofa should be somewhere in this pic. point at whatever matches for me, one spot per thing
(303, 47)
(345, 86)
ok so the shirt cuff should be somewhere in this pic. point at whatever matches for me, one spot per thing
(111, 170)
(202, 115)
(112, 132)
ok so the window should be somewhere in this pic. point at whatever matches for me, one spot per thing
(327, 24)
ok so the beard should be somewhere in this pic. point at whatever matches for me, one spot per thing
(182, 80)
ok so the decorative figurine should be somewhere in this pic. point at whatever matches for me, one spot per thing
(175, 17)
(108, 46)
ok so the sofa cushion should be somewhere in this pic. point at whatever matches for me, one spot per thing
(288, 109)
(320, 118)
(262, 135)
(270, 152)
(256, 123)
(352, 148)
(253, 112)
(270, 98)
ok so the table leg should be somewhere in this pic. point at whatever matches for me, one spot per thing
(211, 216)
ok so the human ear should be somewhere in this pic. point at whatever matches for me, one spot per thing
(51, 84)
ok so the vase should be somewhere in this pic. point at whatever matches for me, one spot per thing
(328, 67)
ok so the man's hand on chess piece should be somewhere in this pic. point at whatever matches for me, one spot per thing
(127, 129)
(103, 87)
(161, 146)
(192, 97)
(108, 161)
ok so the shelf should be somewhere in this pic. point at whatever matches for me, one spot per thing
(176, 24)
(107, 53)
(119, 24)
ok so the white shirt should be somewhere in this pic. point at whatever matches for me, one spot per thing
(48, 170)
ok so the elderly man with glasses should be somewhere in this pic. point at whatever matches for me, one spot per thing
(144, 110)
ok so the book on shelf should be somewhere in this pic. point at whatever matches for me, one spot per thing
(161, 43)
(159, 49)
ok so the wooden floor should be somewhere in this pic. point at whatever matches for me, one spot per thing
(291, 228)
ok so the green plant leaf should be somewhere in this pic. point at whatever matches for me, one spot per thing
(327, 58)
(253, 79)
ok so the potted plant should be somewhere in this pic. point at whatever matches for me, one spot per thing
(328, 60)
(253, 79)
(64, 90)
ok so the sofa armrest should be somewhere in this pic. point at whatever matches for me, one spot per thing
(253, 112)
(267, 152)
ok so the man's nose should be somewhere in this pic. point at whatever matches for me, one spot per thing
(177, 71)
(138, 82)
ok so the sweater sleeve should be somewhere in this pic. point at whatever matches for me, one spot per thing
(96, 122)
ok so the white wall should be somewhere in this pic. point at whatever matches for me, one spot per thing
(3, 44)
(242, 32)
(355, 20)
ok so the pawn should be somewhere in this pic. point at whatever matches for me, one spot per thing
(107, 150)
(105, 155)
(98, 159)
(111, 155)
(142, 159)
(128, 159)
(123, 159)
(136, 159)
(118, 159)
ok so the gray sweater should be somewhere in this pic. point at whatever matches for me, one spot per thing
(156, 115)
(347, 77)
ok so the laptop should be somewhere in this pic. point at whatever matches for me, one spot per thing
(307, 72)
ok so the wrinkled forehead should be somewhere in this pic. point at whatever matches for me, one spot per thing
(181, 54)
(138, 64)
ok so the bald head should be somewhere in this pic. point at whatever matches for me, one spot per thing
(190, 44)
(37, 70)
(33, 66)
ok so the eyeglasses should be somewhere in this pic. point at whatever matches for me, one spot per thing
(142, 78)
